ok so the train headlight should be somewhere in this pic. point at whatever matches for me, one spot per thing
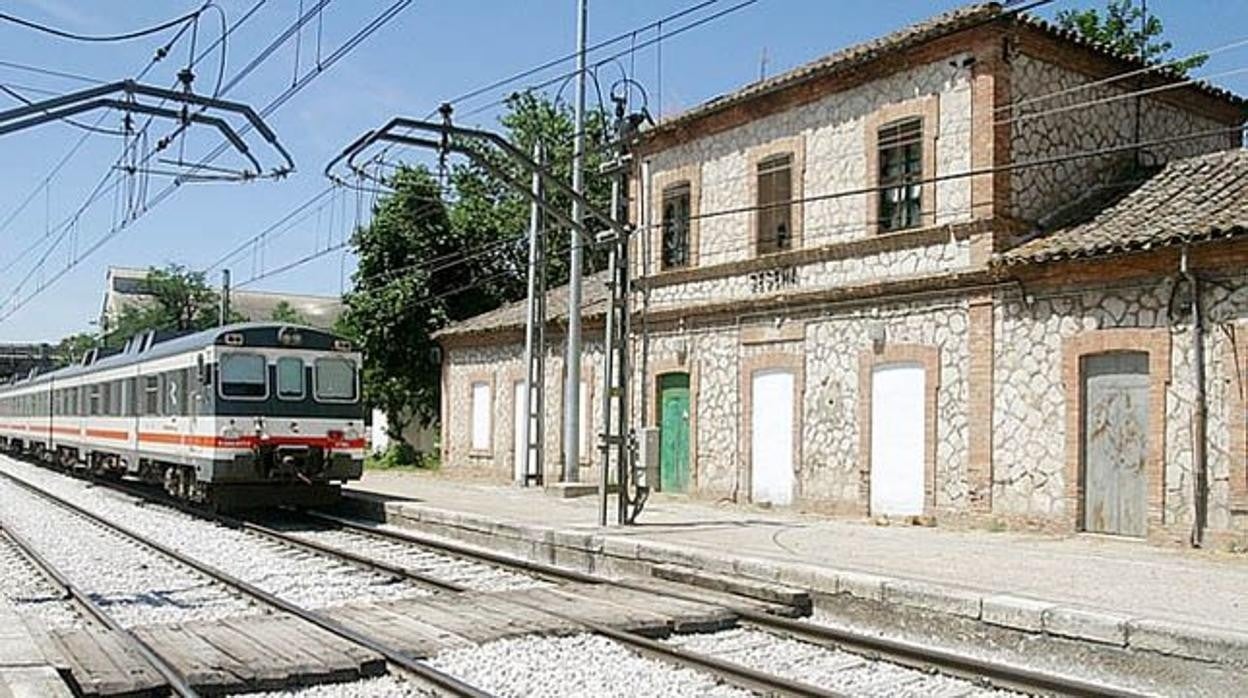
(231, 431)
(351, 433)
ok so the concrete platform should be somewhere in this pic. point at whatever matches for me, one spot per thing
(1091, 589)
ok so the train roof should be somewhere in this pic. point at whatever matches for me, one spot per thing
(154, 345)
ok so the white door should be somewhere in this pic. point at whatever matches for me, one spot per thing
(771, 440)
(898, 442)
(520, 412)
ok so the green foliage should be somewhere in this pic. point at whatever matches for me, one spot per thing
(179, 300)
(70, 349)
(1124, 28)
(414, 276)
(400, 455)
(285, 312)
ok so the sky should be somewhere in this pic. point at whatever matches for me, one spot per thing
(431, 52)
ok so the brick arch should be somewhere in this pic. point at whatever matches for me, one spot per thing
(927, 356)
(1156, 344)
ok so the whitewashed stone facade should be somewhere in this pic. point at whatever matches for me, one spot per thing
(996, 352)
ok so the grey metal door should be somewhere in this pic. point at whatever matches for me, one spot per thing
(1115, 443)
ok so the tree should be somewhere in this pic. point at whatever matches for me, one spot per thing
(424, 263)
(395, 306)
(70, 349)
(1124, 28)
(179, 300)
(285, 312)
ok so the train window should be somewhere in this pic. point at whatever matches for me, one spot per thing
(290, 378)
(93, 400)
(132, 401)
(335, 380)
(244, 376)
(151, 396)
(175, 393)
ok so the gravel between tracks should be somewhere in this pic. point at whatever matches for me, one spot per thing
(475, 576)
(133, 584)
(380, 687)
(25, 589)
(828, 668)
(575, 665)
(298, 576)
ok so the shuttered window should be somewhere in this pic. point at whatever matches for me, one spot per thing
(775, 206)
(676, 214)
(901, 174)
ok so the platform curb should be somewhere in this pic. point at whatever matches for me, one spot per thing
(596, 552)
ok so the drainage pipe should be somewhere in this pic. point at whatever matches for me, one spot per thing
(1200, 475)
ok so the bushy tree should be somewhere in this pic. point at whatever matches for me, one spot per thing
(177, 299)
(70, 349)
(285, 312)
(428, 260)
(1123, 28)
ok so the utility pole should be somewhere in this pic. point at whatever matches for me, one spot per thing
(224, 318)
(532, 432)
(572, 367)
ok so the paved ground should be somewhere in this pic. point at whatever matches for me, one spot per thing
(1130, 577)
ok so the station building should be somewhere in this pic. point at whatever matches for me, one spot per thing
(931, 275)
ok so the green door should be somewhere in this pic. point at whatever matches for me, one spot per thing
(674, 432)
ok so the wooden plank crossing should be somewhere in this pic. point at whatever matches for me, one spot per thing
(252, 653)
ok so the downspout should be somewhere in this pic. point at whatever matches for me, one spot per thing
(1200, 485)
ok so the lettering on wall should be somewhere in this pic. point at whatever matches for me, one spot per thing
(770, 280)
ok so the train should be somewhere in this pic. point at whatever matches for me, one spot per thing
(239, 416)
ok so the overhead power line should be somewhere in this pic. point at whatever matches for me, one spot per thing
(105, 38)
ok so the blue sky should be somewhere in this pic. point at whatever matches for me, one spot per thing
(431, 52)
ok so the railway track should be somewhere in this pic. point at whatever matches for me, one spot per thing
(919, 657)
(348, 545)
(420, 671)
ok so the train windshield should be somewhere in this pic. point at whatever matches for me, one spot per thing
(335, 380)
(243, 375)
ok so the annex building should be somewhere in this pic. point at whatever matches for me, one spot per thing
(960, 271)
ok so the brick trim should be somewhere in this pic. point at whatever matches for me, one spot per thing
(748, 366)
(1155, 343)
(668, 365)
(927, 356)
(792, 145)
(980, 376)
(926, 108)
(664, 180)
(1235, 364)
(471, 380)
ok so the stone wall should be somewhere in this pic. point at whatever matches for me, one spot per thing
(1030, 427)
(1065, 124)
(833, 133)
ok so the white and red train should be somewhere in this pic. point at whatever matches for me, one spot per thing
(244, 415)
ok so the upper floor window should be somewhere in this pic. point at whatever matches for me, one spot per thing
(775, 203)
(900, 146)
(676, 212)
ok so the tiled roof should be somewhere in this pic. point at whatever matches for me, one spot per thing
(951, 22)
(594, 298)
(1189, 200)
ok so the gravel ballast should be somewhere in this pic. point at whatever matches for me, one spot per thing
(380, 687)
(474, 576)
(25, 589)
(307, 579)
(828, 668)
(134, 584)
(574, 665)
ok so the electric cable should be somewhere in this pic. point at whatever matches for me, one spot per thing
(109, 38)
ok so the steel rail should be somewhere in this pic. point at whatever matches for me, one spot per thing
(423, 672)
(736, 674)
(913, 655)
(178, 682)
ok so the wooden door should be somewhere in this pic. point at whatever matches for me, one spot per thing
(1115, 443)
(771, 437)
(674, 432)
(898, 439)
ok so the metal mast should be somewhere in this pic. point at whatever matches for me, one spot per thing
(572, 367)
(533, 433)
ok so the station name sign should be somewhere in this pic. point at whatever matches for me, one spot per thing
(770, 280)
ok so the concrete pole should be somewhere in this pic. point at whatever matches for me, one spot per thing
(572, 369)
